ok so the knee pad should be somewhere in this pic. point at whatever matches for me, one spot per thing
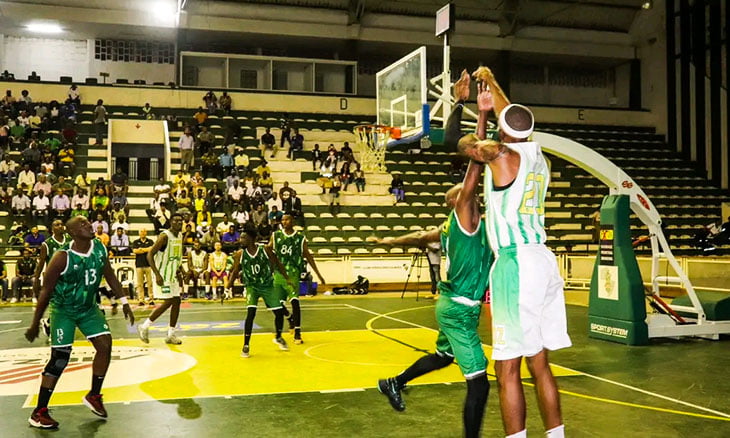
(58, 361)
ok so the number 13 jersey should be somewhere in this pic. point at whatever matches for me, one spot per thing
(78, 285)
(516, 214)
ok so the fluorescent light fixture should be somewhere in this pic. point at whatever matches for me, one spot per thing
(648, 4)
(44, 28)
(164, 10)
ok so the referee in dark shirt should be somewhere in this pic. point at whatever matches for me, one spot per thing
(140, 248)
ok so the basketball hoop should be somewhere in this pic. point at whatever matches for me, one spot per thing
(372, 141)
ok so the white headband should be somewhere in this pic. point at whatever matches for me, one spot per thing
(510, 130)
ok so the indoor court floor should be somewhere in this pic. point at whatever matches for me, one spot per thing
(326, 387)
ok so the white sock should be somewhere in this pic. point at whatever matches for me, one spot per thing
(520, 434)
(147, 323)
(556, 432)
(170, 332)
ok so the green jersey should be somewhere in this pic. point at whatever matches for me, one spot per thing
(168, 260)
(256, 269)
(77, 287)
(52, 245)
(289, 248)
(516, 214)
(468, 259)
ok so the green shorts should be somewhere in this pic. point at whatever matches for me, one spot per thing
(458, 335)
(283, 289)
(271, 299)
(63, 325)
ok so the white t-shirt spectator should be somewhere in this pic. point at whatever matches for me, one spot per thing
(240, 216)
(61, 203)
(41, 203)
(235, 193)
(20, 201)
(274, 203)
(223, 227)
(253, 191)
(163, 189)
(79, 199)
(117, 224)
(27, 177)
(8, 166)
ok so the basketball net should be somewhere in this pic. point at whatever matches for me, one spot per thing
(372, 141)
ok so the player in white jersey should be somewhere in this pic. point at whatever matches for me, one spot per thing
(218, 271)
(528, 306)
(197, 267)
(165, 259)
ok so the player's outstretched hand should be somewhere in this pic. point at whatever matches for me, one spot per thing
(484, 97)
(483, 74)
(461, 87)
(32, 333)
(373, 239)
(128, 314)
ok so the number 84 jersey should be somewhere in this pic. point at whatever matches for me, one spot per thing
(78, 285)
(516, 214)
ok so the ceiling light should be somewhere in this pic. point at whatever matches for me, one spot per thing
(44, 28)
(648, 4)
(164, 10)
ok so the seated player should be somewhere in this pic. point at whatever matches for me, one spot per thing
(197, 272)
(217, 271)
(254, 263)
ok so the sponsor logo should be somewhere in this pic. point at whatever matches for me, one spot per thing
(20, 368)
(627, 184)
(643, 201)
(615, 332)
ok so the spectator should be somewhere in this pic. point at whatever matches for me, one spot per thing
(241, 216)
(183, 203)
(100, 222)
(31, 156)
(241, 161)
(285, 191)
(267, 185)
(293, 207)
(200, 203)
(285, 131)
(211, 168)
(345, 175)
(119, 244)
(397, 188)
(120, 222)
(226, 162)
(211, 102)
(347, 154)
(8, 102)
(224, 225)
(275, 200)
(268, 142)
(296, 143)
(8, 168)
(6, 194)
(99, 121)
(26, 178)
(61, 205)
(203, 216)
(182, 178)
(229, 239)
(262, 168)
(35, 238)
(359, 178)
(205, 140)
(73, 95)
(140, 248)
(41, 207)
(4, 281)
(100, 201)
(233, 176)
(235, 194)
(259, 216)
(335, 194)
(120, 181)
(225, 102)
(20, 204)
(215, 198)
(63, 185)
(102, 236)
(50, 178)
(189, 235)
(162, 190)
(70, 134)
(148, 115)
(275, 216)
(186, 143)
(66, 157)
(79, 210)
(24, 270)
(232, 130)
(82, 181)
(254, 191)
(316, 156)
(161, 219)
(81, 198)
(201, 117)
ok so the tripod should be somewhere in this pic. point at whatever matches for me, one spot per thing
(417, 263)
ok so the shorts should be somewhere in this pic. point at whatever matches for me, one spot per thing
(458, 337)
(216, 276)
(91, 323)
(528, 307)
(283, 289)
(271, 299)
(171, 289)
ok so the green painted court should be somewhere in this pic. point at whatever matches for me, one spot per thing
(325, 387)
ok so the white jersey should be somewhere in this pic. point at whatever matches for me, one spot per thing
(198, 260)
(169, 259)
(218, 261)
(516, 215)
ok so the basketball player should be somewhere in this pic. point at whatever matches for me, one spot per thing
(217, 270)
(463, 240)
(528, 306)
(254, 262)
(71, 285)
(165, 258)
(291, 249)
(48, 248)
(197, 264)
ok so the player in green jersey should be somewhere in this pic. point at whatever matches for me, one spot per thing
(49, 247)
(165, 259)
(254, 263)
(464, 241)
(528, 305)
(290, 247)
(71, 285)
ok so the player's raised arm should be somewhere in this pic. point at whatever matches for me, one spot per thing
(159, 244)
(312, 263)
(452, 132)
(466, 206)
(499, 98)
(417, 238)
(118, 291)
(55, 267)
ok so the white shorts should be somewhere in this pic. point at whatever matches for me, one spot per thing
(171, 289)
(528, 305)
